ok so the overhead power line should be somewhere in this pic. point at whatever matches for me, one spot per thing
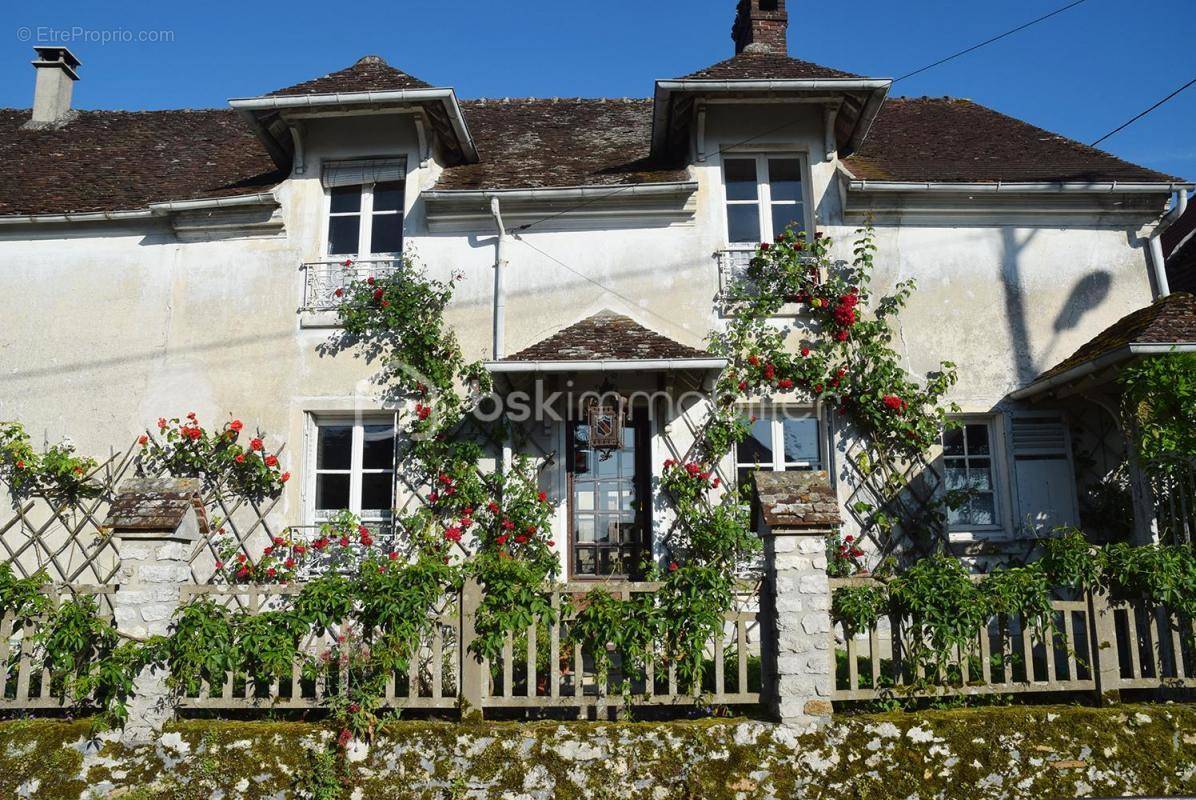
(1134, 119)
(986, 42)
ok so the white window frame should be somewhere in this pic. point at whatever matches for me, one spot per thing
(764, 192)
(356, 459)
(776, 415)
(365, 230)
(998, 465)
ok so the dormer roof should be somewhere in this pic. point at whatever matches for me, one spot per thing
(367, 74)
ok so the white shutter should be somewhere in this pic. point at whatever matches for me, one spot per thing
(1044, 477)
(362, 171)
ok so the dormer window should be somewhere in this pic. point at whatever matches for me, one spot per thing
(365, 206)
(765, 195)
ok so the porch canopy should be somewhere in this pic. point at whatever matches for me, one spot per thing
(1165, 326)
(607, 342)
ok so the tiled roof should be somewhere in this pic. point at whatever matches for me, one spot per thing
(122, 160)
(606, 336)
(765, 66)
(951, 140)
(1170, 320)
(797, 500)
(155, 504)
(369, 74)
(531, 143)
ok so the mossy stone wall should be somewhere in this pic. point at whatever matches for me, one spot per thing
(1019, 752)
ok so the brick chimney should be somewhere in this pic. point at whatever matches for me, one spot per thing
(56, 77)
(760, 27)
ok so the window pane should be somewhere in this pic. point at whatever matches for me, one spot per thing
(584, 565)
(982, 510)
(376, 492)
(343, 235)
(953, 442)
(784, 179)
(378, 449)
(741, 178)
(955, 474)
(386, 236)
(345, 199)
(977, 440)
(334, 447)
(786, 215)
(602, 526)
(332, 492)
(388, 196)
(801, 440)
(743, 223)
(584, 528)
(980, 474)
(757, 447)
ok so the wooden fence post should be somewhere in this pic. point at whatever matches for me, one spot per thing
(472, 669)
(155, 525)
(1102, 635)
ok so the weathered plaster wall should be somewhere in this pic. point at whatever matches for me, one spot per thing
(979, 754)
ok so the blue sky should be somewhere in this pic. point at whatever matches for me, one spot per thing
(1080, 73)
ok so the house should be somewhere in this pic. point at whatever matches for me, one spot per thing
(158, 262)
(1179, 250)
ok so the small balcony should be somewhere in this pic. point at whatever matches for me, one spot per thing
(732, 266)
(322, 279)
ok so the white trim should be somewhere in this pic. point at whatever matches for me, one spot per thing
(999, 462)
(776, 414)
(150, 211)
(583, 192)
(1007, 187)
(357, 421)
(763, 201)
(365, 225)
(612, 365)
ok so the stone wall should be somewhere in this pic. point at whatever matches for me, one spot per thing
(1015, 752)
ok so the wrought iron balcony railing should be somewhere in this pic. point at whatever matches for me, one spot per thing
(732, 268)
(322, 279)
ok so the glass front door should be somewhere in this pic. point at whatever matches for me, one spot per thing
(607, 505)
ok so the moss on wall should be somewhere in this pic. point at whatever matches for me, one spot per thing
(1029, 752)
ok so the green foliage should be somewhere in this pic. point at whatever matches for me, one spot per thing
(1022, 591)
(859, 608)
(1159, 402)
(22, 596)
(57, 473)
(1162, 574)
(1070, 561)
(940, 599)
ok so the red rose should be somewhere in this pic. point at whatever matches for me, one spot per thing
(893, 402)
(255, 444)
(551, 543)
(284, 477)
(769, 371)
(344, 541)
(385, 304)
(219, 565)
(339, 293)
(393, 556)
(805, 351)
(161, 423)
(493, 506)
(842, 335)
(673, 566)
(542, 497)
(433, 496)
(502, 539)
(270, 573)
(521, 539)
(784, 383)
(240, 458)
(271, 461)
(370, 280)
(754, 360)
(289, 563)
(818, 388)
(235, 425)
(378, 294)
(143, 440)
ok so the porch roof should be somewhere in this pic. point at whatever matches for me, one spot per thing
(797, 500)
(606, 341)
(1166, 325)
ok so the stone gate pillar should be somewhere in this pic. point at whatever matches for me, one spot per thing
(155, 524)
(796, 512)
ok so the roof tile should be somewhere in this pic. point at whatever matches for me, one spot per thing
(766, 66)
(797, 500)
(606, 336)
(369, 74)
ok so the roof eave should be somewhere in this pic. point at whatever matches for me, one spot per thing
(1095, 365)
(354, 100)
(876, 88)
(1015, 187)
(607, 365)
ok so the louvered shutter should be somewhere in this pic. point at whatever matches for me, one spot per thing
(362, 171)
(1044, 477)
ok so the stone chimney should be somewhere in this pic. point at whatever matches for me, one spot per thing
(760, 27)
(56, 77)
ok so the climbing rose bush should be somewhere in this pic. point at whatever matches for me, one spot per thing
(222, 457)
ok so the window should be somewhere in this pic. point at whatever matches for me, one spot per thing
(354, 468)
(968, 467)
(365, 219)
(779, 441)
(764, 197)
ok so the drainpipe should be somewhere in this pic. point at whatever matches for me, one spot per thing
(1156, 241)
(500, 297)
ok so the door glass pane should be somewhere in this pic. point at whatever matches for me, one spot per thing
(345, 199)
(378, 447)
(584, 528)
(743, 223)
(376, 491)
(784, 179)
(332, 492)
(584, 563)
(388, 196)
(740, 178)
(343, 235)
(785, 216)
(386, 236)
(801, 440)
(757, 447)
(334, 447)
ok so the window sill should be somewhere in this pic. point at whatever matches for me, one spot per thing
(324, 319)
